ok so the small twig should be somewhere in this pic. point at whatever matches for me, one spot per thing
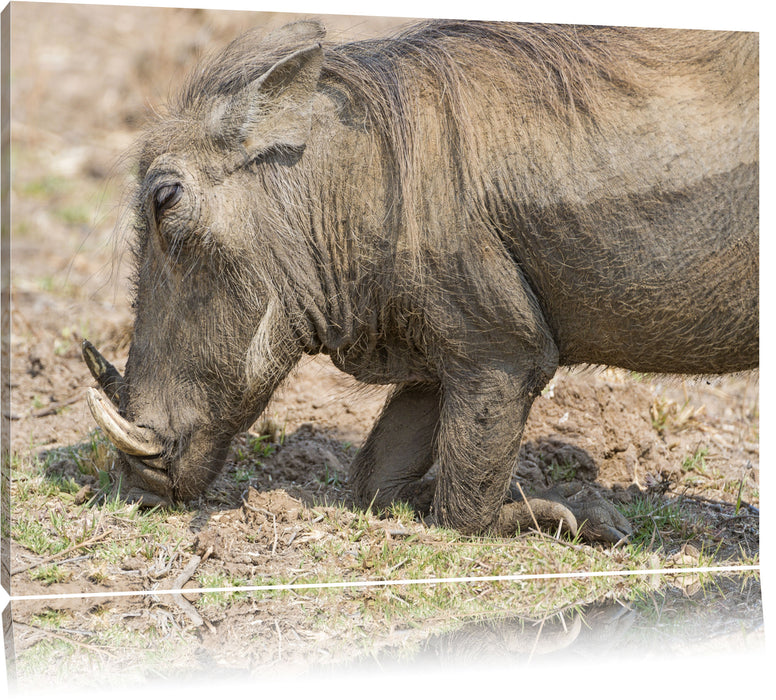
(83, 633)
(275, 528)
(71, 548)
(536, 641)
(528, 505)
(184, 576)
(49, 633)
(396, 566)
(72, 559)
(740, 516)
(754, 509)
(393, 595)
(51, 409)
(184, 604)
(263, 511)
(654, 532)
(90, 647)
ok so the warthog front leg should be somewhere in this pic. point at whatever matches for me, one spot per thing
(481, 424)
(399, 451)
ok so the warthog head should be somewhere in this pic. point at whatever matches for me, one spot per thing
(217, 247)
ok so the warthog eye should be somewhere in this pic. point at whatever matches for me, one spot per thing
(165, 197)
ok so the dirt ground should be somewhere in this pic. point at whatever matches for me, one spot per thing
(83, 80)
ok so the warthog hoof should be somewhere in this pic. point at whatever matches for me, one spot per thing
(602, 522)
(599, 520)
(592, 517)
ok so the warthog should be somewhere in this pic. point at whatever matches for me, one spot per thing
(455, 211)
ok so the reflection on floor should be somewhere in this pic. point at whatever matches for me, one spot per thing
(70, 644)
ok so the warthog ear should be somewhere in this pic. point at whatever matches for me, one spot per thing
(301, 33)
(275, 110)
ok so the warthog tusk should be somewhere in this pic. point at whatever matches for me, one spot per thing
(129, 438)
(107, 376)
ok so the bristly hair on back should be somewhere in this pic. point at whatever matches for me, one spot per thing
(571, 74)
(561, 64)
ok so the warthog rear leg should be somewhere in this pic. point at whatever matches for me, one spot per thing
(399, 451)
